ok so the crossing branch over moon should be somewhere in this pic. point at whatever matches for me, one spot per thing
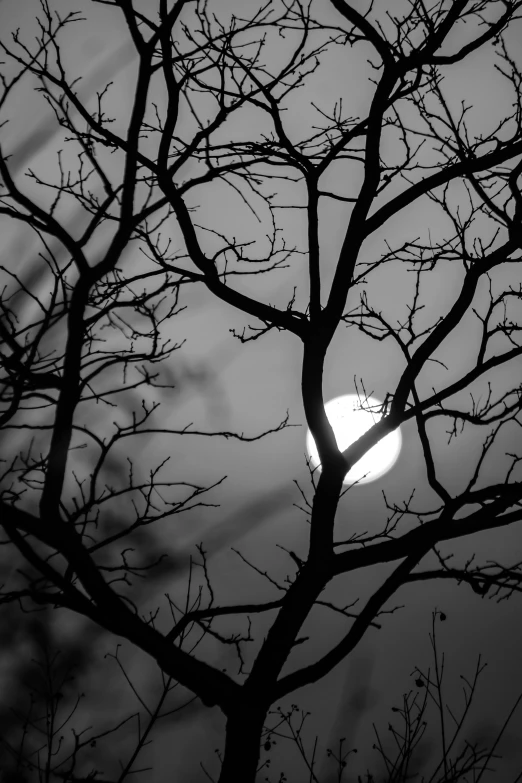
(351, 417)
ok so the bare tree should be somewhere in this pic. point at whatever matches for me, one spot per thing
(216, 96)
(418, 742)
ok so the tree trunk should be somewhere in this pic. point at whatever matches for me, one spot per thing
(242, 746)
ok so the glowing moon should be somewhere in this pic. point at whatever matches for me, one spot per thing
(349, 422)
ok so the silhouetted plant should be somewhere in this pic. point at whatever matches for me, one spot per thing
(88, 326)
(47, 736)
(429, 739)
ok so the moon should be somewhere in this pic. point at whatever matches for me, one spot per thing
(349, 421)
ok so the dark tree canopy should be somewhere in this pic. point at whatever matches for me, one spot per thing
(315, 168)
